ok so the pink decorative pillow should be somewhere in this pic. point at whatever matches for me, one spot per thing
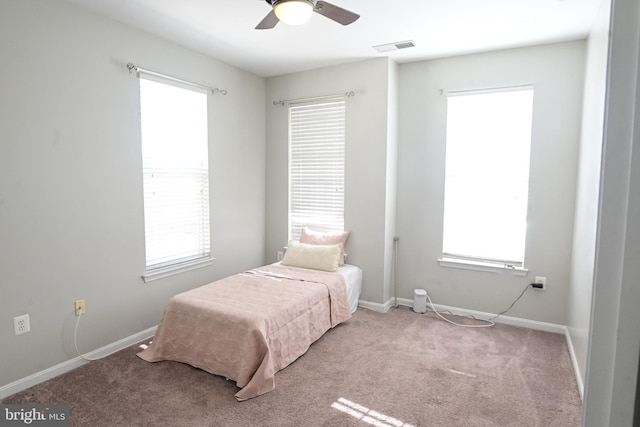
(324, 237)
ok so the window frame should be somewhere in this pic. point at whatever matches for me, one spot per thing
(485, 263)
(201, 257)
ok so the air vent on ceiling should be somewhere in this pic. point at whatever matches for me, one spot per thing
(394, 46)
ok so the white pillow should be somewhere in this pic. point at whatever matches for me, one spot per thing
(317, 257)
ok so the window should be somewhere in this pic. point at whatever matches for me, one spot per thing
(174, 134)
(487, 176)
(316, 165)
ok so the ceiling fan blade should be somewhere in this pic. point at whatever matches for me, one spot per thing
(335, 13)
(268, 22)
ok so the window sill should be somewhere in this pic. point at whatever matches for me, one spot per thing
(160, 273)
(481, 266)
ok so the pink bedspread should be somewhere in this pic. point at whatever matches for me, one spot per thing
(249, 326)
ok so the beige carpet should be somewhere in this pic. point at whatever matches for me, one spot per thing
(393, 369)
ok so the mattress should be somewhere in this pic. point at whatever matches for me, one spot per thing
(353, 281)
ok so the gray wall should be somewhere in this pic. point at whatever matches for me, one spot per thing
(556, 71)
(71, 212)
(367, 189)
(588, 190)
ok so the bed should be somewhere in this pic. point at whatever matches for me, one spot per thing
(248, 326)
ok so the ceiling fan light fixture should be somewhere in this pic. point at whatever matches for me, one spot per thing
(293, 12)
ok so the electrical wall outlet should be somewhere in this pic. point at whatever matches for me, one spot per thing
(80, 307)
(280, 255)
(541, 281)
(21, 324)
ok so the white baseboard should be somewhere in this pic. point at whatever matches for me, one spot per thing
(574, 362)
(69, 365)
(382, 308)
(507, 320)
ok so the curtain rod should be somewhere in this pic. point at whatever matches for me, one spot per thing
(131, 67)
(485, 90)
(315, 98)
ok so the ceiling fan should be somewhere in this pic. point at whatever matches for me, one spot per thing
(296, 12)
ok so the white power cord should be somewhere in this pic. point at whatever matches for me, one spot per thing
(75, 343)
(488, 322)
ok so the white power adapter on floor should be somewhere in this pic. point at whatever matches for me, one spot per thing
(420, 301)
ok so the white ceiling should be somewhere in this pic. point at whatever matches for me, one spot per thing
(224, 29)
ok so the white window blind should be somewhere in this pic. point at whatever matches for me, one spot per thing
(176, 172)
(487, 175)
(316, 165)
